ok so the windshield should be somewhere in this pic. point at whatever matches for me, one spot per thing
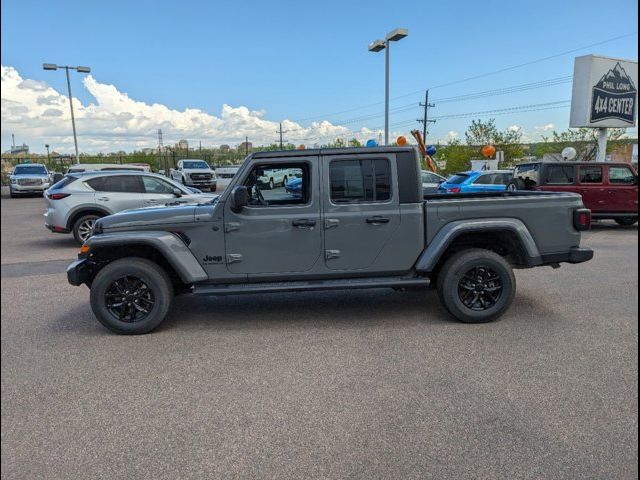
(458, 178)
(30, 170)
(195, 164)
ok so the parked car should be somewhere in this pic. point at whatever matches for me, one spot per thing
(28, 178)
(194, 173)
(224, 176)
(477, 181)
(609, 190)
(106, 167)
(431, 181)
(79, 199)
(360, 222)
(294, 186)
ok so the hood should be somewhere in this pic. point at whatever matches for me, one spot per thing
(198, 170)
(30, 175)
(150, 216)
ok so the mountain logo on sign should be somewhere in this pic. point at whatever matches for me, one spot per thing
(614, 97)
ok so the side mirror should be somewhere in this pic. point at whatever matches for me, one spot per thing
(177, 192)
(239, 198)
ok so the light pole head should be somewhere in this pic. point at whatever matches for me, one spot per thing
(49, 66)
(377, 45)
(397, 34)
(83, 69)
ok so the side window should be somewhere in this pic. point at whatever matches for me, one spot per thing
(355, 181)
(117, 183)
(155, 185)
(279, 184)
(621, 176)
(590, 174)
(486, 179)
(561, 174)
(503, 178)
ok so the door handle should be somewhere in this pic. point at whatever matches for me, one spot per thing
(611, 191)
(304, 223)
(377, 220)
(103, 199)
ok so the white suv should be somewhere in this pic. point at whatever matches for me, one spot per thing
(28, 178)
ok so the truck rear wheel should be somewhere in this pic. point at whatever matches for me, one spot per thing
(131, 295)
(476, 285)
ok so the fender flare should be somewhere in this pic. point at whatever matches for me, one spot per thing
(447, 234)
(168, 244)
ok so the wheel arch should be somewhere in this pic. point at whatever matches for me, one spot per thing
(165, 248)
(78, 212)
(509, 238)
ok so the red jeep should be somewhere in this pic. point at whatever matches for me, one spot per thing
(609, 190)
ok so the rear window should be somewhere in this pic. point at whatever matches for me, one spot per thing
(590, 174)
(117, 183)
(458, 178)
(63, 183)
(354, 181)
(560, 174)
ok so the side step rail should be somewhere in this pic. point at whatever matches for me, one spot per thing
(301, 286)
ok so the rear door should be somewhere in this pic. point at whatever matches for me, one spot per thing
(361, 209)
(622, 190)
(592, 188)
(118, 192)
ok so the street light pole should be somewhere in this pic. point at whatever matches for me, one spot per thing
(73, 118)
(48, 156)
(376, 46)
(52, 66)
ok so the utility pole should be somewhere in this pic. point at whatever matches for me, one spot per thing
(246, 144)
(425, 120)
(160, 148)
(280, 131)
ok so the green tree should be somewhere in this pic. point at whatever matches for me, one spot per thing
(584, 140)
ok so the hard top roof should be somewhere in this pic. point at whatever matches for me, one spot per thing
(330, 151)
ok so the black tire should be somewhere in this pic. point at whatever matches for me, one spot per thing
(516, 184)
(12, 195)
(489, 298)
(284, 181)
(81, 227)
(271, 184)
(149, 274)
(626, 221)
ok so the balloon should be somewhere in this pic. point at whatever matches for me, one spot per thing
(401, 141)
(431, 150)
(488, 151)
(371, 143)
(569, 153)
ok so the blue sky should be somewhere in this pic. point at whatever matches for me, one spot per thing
(295, 60)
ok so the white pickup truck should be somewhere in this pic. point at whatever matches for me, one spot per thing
(194, 173)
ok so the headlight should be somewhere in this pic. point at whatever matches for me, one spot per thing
(14, 181)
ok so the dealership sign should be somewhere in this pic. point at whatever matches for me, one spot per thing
(605, 92)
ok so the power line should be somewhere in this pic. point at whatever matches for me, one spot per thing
(475, 77)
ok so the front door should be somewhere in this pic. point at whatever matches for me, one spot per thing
(279, 232)
(622, 189)
(361, 210)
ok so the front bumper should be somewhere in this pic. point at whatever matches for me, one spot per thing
(78, 272)
(15, 188)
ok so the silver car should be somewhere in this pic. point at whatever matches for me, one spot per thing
(79, 199)
(28, 178)
(431, 181)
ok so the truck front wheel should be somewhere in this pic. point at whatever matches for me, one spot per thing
(131, 295)
(476, 285)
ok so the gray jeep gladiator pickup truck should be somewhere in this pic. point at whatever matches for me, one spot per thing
(349, 218)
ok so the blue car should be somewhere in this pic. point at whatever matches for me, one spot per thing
(477, 181)
(294, 187)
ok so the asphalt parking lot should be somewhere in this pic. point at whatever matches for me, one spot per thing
(359, 384)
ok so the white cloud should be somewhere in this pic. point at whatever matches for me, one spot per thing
(39, 114)
(544, 128)
(515, 128)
